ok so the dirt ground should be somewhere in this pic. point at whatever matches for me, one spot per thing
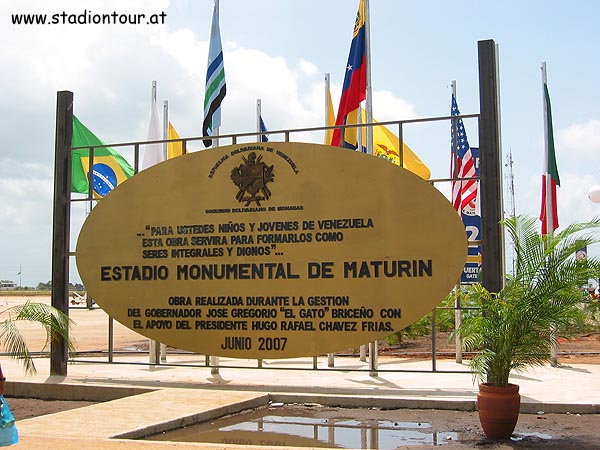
(26, 408)
(583, 349)
(533, 431)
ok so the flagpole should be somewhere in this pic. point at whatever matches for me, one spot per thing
(454, 138)
(326, 98)
(455, 185)
(360, 131)
(153, 345)
(369, 112)
(330, 356)
(216, 137)
(214, 360)
(258, 114)
(152, 103)
(457, 297)
(369, 99)
(166, 128)
(548, 206)
(152, 100)
(259, 139)
(155, 354)
(162, 348)
(215, 89)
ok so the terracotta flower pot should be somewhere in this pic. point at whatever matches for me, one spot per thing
(498, 409)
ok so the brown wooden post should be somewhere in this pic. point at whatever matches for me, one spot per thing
(61, 223)
(492, 233)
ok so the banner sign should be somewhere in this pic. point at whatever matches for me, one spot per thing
(471, 217)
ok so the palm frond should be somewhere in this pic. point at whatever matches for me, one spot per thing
(14, 343)
(54, 322)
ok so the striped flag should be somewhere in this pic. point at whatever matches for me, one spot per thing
(215, 81)
(354, 89)
(462, 164)
(550, 178)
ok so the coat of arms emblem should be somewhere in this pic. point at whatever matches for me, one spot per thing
(251, 178)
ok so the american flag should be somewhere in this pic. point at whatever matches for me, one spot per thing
(462, 164)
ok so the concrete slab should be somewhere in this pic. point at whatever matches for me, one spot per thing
(141, 415)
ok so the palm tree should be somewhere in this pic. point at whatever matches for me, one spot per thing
(538, 304)
(55, 323)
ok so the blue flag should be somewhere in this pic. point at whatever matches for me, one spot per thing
(263, 128)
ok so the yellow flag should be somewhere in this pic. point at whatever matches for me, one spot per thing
(173, 148)
(385, 145)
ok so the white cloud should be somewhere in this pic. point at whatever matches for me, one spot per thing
(25, 203)
(572, 198)
(386, 106)
(308, 68)
(185, 48)
(580, 140)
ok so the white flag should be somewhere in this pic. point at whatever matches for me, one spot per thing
(153, 153)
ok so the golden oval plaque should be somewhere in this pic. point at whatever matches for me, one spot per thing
(271, 250)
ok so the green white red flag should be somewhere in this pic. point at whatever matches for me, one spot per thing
(550, 178)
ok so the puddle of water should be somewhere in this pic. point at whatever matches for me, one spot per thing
(279, 427)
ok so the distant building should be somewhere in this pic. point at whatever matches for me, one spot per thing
(6, 285)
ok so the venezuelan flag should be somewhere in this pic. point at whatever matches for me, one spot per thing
(354, 89)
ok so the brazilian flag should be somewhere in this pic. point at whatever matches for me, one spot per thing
(109, 167)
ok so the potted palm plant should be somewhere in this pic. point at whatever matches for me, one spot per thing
(519, 325)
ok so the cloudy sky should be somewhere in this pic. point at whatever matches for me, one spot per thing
(279, 51)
